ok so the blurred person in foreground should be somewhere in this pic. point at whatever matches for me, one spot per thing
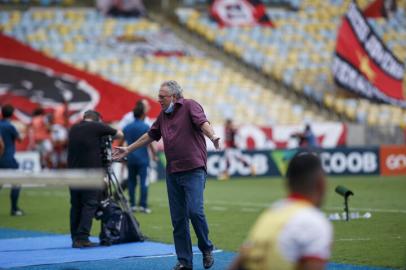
(138, 161)
(293, 233)
(182, 125)
(9, 136)
(84, 152)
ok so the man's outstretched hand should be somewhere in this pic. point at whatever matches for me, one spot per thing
(216, 142)
(120, 152)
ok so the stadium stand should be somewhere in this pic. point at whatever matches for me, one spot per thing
(40, 2)
(289, 3)
(128, 52)
(299, 50)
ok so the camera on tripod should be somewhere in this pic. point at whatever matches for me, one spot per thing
(106, 150)
(118, 223)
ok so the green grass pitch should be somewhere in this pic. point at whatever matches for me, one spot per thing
(232, 207)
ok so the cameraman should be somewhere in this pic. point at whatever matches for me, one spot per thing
(84, 152)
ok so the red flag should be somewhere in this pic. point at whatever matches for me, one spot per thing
(30, 79)
(380, 8)
(363, 64)
(240, 13)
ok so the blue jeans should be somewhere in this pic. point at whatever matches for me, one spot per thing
(15, 190)
(133, 171)
(185, 194)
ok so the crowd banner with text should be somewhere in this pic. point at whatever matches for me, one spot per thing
(31, 79)
(351, 161)
(386, 160)
(336, 161)
(364, 64)
(28, 161)
(251, 137)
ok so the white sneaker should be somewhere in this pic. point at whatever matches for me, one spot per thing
(145, 210)
(17, 213)
(135, 208)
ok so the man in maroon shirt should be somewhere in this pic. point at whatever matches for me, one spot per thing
(182, 125)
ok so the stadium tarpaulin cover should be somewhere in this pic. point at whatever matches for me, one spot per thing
(364, 65)
(30, 79)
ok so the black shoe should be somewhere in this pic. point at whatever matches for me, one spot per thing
(105, 243)
(180, 266)
(17, 213)
(208, 259)
(83, 244)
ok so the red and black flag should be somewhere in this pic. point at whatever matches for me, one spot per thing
(380, 9)
(364, 65)
(239, 13)
(29, 79)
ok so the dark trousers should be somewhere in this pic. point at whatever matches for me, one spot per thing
(185, 194)
(133, 172)
(14, 194)
(15, 190)
(84, 204)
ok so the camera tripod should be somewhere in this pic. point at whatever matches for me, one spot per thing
(116, 193)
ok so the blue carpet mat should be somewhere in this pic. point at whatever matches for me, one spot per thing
(32, 250)
(222, 261)
(57, 249)
(6, 233)
(340, 266)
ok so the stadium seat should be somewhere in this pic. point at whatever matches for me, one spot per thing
(298, 51)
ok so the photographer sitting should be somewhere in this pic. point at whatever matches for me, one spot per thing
(84, 152)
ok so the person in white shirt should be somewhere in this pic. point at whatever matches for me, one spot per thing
(293, 233)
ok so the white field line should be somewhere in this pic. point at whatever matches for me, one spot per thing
(26, 185)
(173, 255)
(378, 210)
(353, 239)
(398, 237)
(245, 209)
(65, 177)
(265, 205)
(242, 204)
(218, 208)
(220, 203)
(55, 193)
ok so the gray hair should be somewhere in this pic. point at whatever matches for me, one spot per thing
(174, 88)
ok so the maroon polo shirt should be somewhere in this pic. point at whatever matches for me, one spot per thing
(184, 142)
